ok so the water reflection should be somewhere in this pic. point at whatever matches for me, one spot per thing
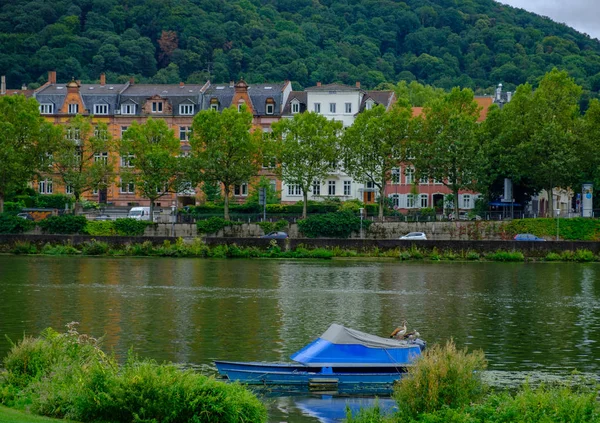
(525, 317)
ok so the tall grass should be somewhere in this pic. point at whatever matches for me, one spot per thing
(68, 376)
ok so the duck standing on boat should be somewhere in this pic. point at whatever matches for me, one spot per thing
(400, 331)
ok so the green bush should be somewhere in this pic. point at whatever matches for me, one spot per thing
(59, 250)
(442, 377)
(95, 248)
(570, 229)
(552, 257)
(12, 224)
(100, 228)
(24, 247)
(273, 226)
(584, 256)
(13, 206)
(332, 225)
(64, 224)
(213, 225)
(505, 256)
(130, 227)
(54, 201)
(69, 376)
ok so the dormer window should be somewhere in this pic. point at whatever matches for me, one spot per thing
(270, 106)
(46, 108)
(295, 107)
(128, 109)
(100, 109)
(73, 108)
(240, 105)
(157, 107)
(214, 104)
(369, 104)
(186, 109)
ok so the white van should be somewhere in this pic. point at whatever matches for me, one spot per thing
(139, 213)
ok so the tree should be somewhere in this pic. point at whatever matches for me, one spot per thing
(83, 157)
(25, 139)
(156, 165)
(224, 149)
(307, 150)
(374, 145)
(445, 146)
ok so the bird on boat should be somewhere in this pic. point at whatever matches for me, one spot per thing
(400, 331)
(412, 335)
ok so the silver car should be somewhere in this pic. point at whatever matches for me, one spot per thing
(415, 235)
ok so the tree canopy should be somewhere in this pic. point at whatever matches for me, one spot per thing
(472, 44)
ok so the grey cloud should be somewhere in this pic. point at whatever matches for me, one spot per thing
(579, 14)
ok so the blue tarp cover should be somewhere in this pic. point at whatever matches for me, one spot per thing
(341, 346)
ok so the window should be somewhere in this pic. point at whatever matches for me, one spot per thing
(316, 188)
(127, 187)
(423, 200)
(369, 105)
(123, 129)
(424, 180)
(45, 186)
(73, 108)
(46, 108)
(95, 191)
(409, 172)
(184, 133)
(331, 107)
(348, 107)
(69, 189)
(214, 104)
(101, 157)
(396, 175)
(100, 109)
(295, 107)
(331, 187)
(186, 109)
(240, 190)
(127, 160)
(410, 201)
(128, 109)
(157, 107)
(395, 200)
(270, 106)
(437, 182)
(317, 107)
(467, 201)
(347, 187)
(294, 190)
(240, 105)
(101, 133)
(73, 134)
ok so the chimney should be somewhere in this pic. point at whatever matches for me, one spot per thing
(231, 83)
(102, 79)
(319, 84)
(181, 84)
(357, 84)
(2, 85)
(52, 77)
(23, 87)
(499, 92)
(508, 96)
(131, 81)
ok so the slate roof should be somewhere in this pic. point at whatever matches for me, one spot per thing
(333, 87)
(298, 95)
(386, 98)
(174, 94)
(90, 94)
(258, 93)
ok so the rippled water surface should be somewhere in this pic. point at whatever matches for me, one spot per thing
(538, 319)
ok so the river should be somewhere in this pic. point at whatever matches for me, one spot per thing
(537, 320)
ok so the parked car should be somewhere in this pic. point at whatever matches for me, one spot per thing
(275, 235)
(139, 213)
(26, 216)
(102, 217)
(527, 237)
(415, 235)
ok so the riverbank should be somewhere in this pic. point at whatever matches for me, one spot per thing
(303, 248)
(10, 415)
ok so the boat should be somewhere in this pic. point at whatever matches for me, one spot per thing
(340, 358)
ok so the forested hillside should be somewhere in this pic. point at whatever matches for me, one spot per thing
(471, 43)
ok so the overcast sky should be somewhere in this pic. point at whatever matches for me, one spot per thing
(583, 15)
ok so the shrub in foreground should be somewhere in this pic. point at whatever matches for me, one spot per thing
(65, 224)
(68, 376)
(13, 224)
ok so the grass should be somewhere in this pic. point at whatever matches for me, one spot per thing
(10, 415)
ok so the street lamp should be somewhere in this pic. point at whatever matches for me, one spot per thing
(173, 217)
(361, 220)
(557, 212)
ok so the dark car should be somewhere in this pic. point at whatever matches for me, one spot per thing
(527, 237)
(25, 216)
(275, 235)
(102, 217)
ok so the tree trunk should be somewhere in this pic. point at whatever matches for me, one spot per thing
(551, 201)
(77, 208)
(381, 203)
(152, 210)
(455, 192)
(1, 203)
(304, 206)
(226, 202)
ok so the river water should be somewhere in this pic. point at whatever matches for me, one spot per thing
(535, 320)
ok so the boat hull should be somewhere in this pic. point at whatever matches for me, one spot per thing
(258, 373)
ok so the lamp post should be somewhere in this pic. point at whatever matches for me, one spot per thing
(173, 217)
(557, 212)
(361, 220)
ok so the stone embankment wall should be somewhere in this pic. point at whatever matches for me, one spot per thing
(387, 230)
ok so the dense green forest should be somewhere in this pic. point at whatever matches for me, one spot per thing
(445, 43)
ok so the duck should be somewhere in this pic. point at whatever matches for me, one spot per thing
(400, 331)
(412, 335)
